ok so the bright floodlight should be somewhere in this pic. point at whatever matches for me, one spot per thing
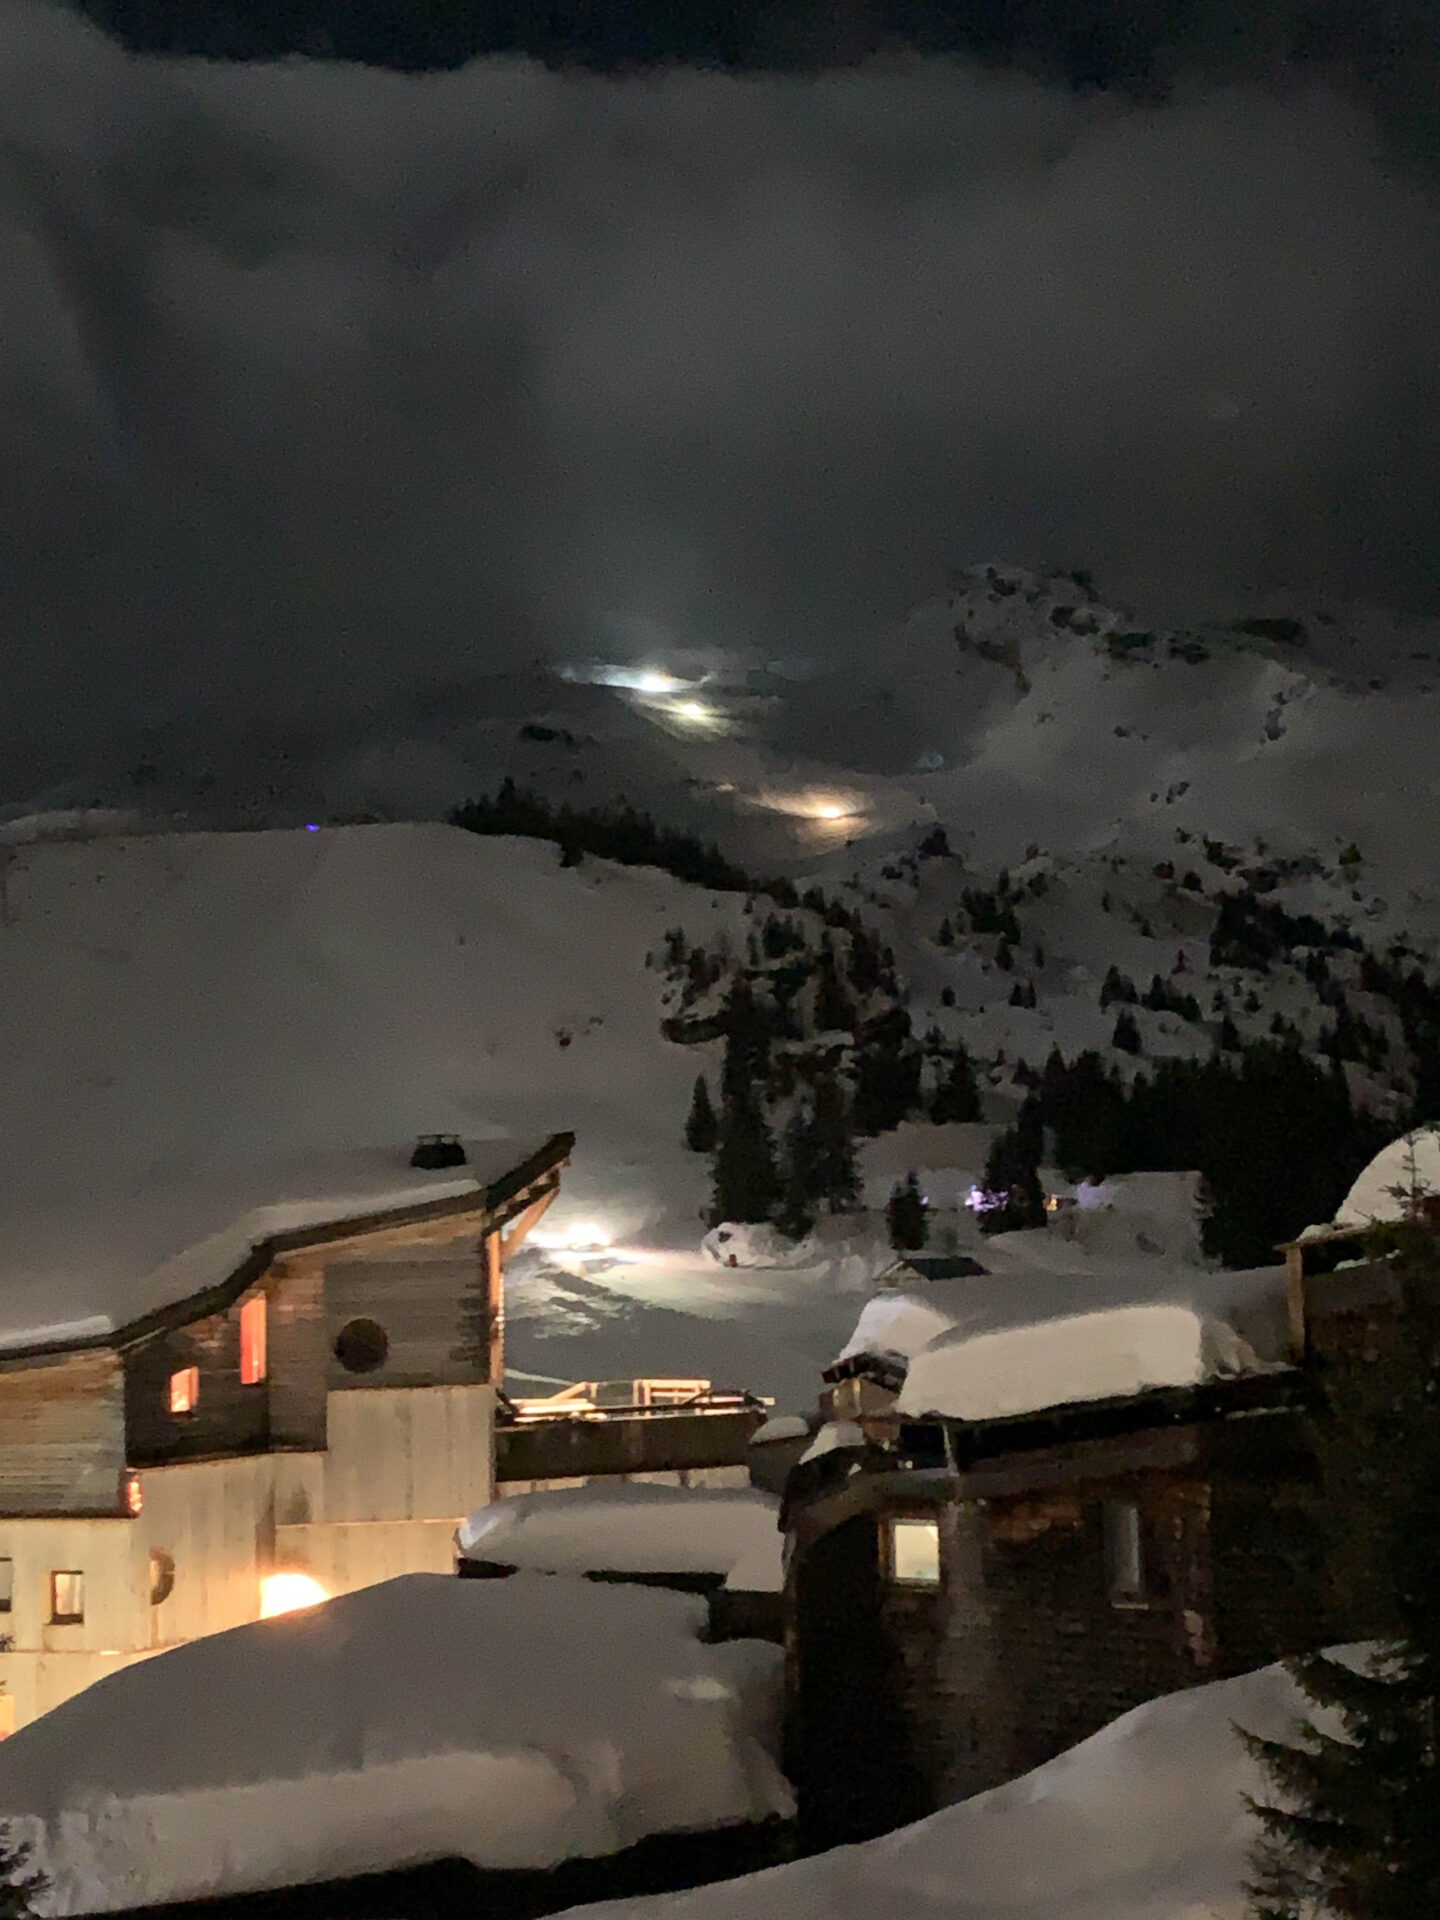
(588, 1235)
(288, 1593)
(655, 683)
(830, 813)
(692, 710)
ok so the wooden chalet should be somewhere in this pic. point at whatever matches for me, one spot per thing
(318, 1419)
(968, 1599)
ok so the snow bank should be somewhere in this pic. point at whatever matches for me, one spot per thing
(853, 1250)
(832, 1436)
(1144, 1821)
(1051, 1363)
(1409, 1165)
(628, 1529)
(514, 1723)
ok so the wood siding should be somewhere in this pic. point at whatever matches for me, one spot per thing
(416, 1453)
(426, 1305)
(62, 1435)
(228, 1417)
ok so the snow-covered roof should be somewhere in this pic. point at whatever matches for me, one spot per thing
(631, 1529)
(514, 1723)
(70, 1278)
(1409, 1166)
(1056, 1363)
(1028, 1336)
(1146, 1820)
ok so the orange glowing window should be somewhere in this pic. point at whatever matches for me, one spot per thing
(252, 1341)
(185, 1390)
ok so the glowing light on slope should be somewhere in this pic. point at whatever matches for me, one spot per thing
(289, 1593)
(587, 1235)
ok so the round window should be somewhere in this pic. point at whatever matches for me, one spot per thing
(162, 1576)
(361, 1346)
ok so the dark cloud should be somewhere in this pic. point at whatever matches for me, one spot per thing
(322, 379)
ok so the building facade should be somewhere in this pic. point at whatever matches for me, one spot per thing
(319, 1420)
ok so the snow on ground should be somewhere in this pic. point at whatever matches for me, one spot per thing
(639, 1310)
(193, 1027)
(1408, 1166)
(631, 1529)
(1054, 1363)
(514, 1723)
(1144, 1821)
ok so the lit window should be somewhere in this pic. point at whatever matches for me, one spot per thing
(252, 1341)
(1124, 1558)
(162, 1576)
(915, 1552)
(67, 1598)
(7, 1585)
(185, 1390)
(132, 1496)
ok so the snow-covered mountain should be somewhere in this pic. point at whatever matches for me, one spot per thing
(1042, 809)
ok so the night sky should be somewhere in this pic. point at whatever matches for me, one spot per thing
(322, 380)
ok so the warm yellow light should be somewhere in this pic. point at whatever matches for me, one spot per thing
(830, 813)
(288, 1593)
(692, 710)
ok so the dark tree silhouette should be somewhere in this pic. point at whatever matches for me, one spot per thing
(905, 1216)
(702, 1126)
(1358, 1835)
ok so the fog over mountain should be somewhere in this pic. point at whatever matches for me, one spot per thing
(325, 382)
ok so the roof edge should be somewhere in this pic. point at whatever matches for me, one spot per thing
(486, 1201)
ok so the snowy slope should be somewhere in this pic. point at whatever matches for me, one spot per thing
(191, 1025)
(1052, 734)
(1144, 1821)
(513, 1723)
(205, 1036)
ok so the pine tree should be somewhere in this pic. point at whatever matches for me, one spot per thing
(1012, 1184)
(746, 1185)
(1358, 1836)
(20, 1885)
(834, 1012)
(957, 1097)
(1127, 1032)
(905, 1216)
(799, 1177)
(832, 1147)
(702, 1127)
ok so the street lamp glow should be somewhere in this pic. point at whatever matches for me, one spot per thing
(289, 1593)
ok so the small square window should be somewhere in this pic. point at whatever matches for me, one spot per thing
(1124, 1554)
(915, 1552)
(252, 1341)
(7, 1585)
(67, 1598)
(185, 1390)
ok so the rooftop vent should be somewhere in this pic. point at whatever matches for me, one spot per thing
(434, 1150)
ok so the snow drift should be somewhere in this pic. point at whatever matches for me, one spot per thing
(513, 1723)
(1144, 1821)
